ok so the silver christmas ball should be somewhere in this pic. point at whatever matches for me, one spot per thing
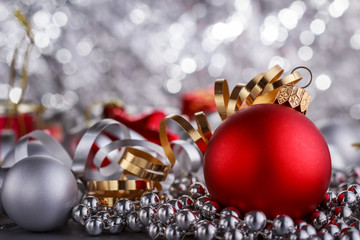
(332, 229)
(80, 213)
(200, 202)
(91, 202)
(176, 204)
(234, 234)
(228, 222)
(318, 219)
(156, 230)
(350, 234)
(149, 199)
(283, 225)
(344, 213)
(204, 230)
(210, 209)
(94, 225)
(38, 193)
(173, 232)
(299, 234)
(230, 211)
(347, 198)
(324, 236)
(133, 222)
(166, 213)
(355, 188)
(309, 229)
(116, 224)
(329, 201)
(186, 201)
(123, 207)
(185, 219)
(146, 215)
(255, 221)
(197, 190)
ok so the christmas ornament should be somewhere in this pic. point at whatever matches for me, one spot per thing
(38, 193)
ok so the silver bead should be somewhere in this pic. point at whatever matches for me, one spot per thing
(341, 224)
(337, 178)
(186, 219)
(173, 232)
(344, 213)
(149, 199)
(309, 229)
(176, 204)
(283, 225)
(156, 230)
(204, 230)
(234, 234)
(355, 188)
(197, 190)
(209, 210)
(230, 211)
(166, 213)
(94, 225)
(350, 234)
(255, 221)
(347, 198)
(200, 202)
(186, 201)
(116, 224)
(329, 201)
(318, 219)
(133, 222)
(91, 202)
(123, 207)
(228, 222)
(332, 229)
(146, 215)
(324, 236)
(356, 225)
(299, 234)
(80, 213)
(103, 214)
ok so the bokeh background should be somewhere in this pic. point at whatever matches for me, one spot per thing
(148, 53)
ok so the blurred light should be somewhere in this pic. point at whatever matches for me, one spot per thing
(299, 8)
(218, 60)
(71, 98)
(173, 86)
(269, 34)
(70, 68)
(176, 30)
(60, 19)
(288, 18)
(355, 111)
(104, 65)
(283, 35)
(84, 47)
(41, 19)
(15, 94)
(52, 31)
(41, 40)
(338, 7)
(305, 53)
(171, 55)
(277, 60)
(63, 55)
(137, 16)
(173, 71)
(217, 3)
(188, 65)
(323, 82)
(355, 41)
(318, 3)
(317, 26)
(4, 90)
(4, 12)
(199, 10)
(307, 37)
(242, 5)
(215, 71)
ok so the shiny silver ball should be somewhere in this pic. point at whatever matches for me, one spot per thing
(200, 202)
(356, 225)
(355, 188)
(156, 230)
(347, 198)
(210, 209)
(324, 236)
(149, 199)
(350, 234)
(146, 215)
(166, 213)
(116, 224)
(205, 230)
(255, 221)
(91, 202)
(94, 226)
(341, 224)
(176, 204)
(299, 234)
(173, 232)
(123, 207)
(309, 229)
(186, 201)
(185, 219)
(283, 225)
(230, 211)
(133, 222)
(318, 219)
(80, 213)
(197, 190)
(228, 222)
(329, 201)
(103, 214)
(38, 193)
(332, 229)
(344, 213)
(234, 234)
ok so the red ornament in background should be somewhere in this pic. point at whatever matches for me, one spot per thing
(268, 157)
(198, 100)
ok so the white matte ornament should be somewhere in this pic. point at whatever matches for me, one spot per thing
(38, 193)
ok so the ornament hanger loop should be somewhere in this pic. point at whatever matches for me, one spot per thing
(311, 77)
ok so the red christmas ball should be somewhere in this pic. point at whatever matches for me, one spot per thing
(268, 157)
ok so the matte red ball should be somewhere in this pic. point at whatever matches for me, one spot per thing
(268, 157)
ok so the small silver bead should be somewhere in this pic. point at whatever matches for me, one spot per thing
(309, 229)
(91, 202)
(156, 230)
(283, 225)
(233, 234)
(299, 234)
(347, 198)
(116, 224)
(94, 226)
(200, 202)
(210, 209)
(329, 201)
(355, 188)
(205, 230)
(149, 199)
(186, 201)
(185, 219)
(230, 211)
(228, 222)
(173, 232)
(133, 222)
(332, 229)
(318, 219)
(255, 221)
(123, 207)
(324, 236)
(80, 213)
(166, 213)
(337, 178)
(197, 190)
(349, 234)
(176, 204)
(344, 213)
(103, 214)
(341, 224)
(146, 215)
